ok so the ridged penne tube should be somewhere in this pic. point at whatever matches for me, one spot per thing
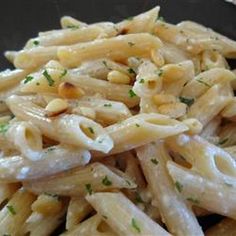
(70, 22)
(77, 210)
(92, 178)
(225, 227)
(123, 216)
(69, 129)
(211, 103)
(195, 43)
(212, 40)
(40, 225)
(175, 76)
(213, 59)
(210, 160)
(227, 135)
(66, 37)
(90, 227)
(35, 57)
(148, 80)
(52, 160)
(116, 92)
(229, 111)
(142, 129)
(142, 43)
(45, 80)
(144, 22)
(10, 78)
(205, 80)
(26, 138)
(100, 68)
(15, 212)
(207, 194)
(178, 217)
(107, 111)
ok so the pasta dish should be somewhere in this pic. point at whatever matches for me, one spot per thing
(121, 128)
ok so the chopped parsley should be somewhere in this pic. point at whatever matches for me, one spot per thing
(193, 200)
(52, 195)
(91, 130)
(106, 181)
(72, 26)
(161, 18)
(4, 128)
(105, 217)
(203, 82)
(11, 209)
(132, 93)
(28, 78)
(137, 125)
(128, 182)
(51, 149)
(159, 72)
(131, 71)
(228, 185)
(48, 78)
(187, 101)
(63, 73)
(179, 186)
(138, 198)
(88, 188)
(105, 64)
(131, 44)
(135, 225)
(141, 81)
(37, 83)
(6, 235)
(107, 105)
(36, 42)
(154, 161)
(223, 141)
(130, 18)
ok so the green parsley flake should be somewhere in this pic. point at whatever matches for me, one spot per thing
(128, 182)
(51, 149)
(138, 198)
(91, 130)
(141, 81)
(131, 71)
(88, 188)
(63, 73)
(179, 186)
(48, 78)
(203, 82)
(223, 141)
(132, 93)
(106, 181)
(28, 79)
(130, 18)
(131, 44)
(52, 195)
(135, 225)
(72, 26)
(37, 83)
(187, 101)
(228, 185)
(36, 42)
(193, 200)
(107, 105)
(159, 72)
(105, 217)
(4, 128)
(11, 209)
(160, 18)
(137, 125)
(154, 161)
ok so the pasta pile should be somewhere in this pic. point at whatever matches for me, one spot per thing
(119, 129)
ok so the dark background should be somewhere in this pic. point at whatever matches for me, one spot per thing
(22, 19)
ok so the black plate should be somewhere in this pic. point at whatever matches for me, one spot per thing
(23, 19)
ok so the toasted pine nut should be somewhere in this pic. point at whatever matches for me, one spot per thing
(69, 91)
(118, 77)
(194, 125)
(47, 205)
(85, 111)
(160, 99)
(56, 107)
(174, 110)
